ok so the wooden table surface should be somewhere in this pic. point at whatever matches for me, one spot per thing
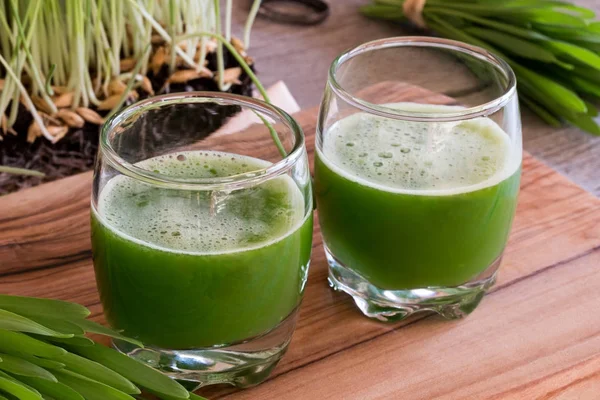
(536, 335)
(301, 56)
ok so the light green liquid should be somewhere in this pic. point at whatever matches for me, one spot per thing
(183, 269)
(412, 205)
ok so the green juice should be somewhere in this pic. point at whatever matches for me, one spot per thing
(413, 205)
(184, 269)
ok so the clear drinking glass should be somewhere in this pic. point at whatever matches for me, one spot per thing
(201, 233)
(417, 169)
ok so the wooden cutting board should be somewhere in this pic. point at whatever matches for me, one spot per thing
(536, 335)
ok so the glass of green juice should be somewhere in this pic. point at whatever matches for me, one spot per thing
(201, 233)
(417, 169)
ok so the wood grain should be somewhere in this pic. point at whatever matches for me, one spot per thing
(301, 56)
(520, 344)
(47, 225)
(537, 335)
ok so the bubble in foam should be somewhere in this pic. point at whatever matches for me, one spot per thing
(265, 213)
(435, 155)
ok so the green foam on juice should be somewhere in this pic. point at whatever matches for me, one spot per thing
(183, 269)
(416, 157)
(177, 220)
(416, 204)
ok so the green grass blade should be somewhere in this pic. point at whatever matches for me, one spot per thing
(41, 362)
(582, 80)
(584, 122)
(580, 120)
(526, 88)
(592, 110)
(273, 134)
(556, 5)
(18, 390)
(497, 25)
(14, 322)
(395, 3)
(54, 389)
(382, 11)
(439, 25)
(77, 340)
(540, 111)
(494, 9)
(42, 307)
(547, 87)
(98, 372)
(138, 373)
(557, 31)
(93, 327)
(514, 45)
(553, 18)
(59, 325)
(581, 12)
(564, 65)
(21, 171)
(595, 47)
(12, 378)
(587, 37)
(575, 52)
(589, 74)
(19, 366)
(585, 86)
(18, 342)
(90, 389)
(571, 35)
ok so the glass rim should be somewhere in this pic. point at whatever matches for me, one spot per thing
(479, 53)
(236, 181)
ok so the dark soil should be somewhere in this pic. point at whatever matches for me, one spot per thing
(75, 152)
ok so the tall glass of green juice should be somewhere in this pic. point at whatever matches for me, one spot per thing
(201, 233)
(417, 170)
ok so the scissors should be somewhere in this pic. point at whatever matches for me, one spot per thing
(313, 12)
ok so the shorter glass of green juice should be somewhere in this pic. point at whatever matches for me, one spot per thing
(201, 233)
(417, 170)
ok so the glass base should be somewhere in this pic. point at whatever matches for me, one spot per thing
(243, 365)
(394, 305)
